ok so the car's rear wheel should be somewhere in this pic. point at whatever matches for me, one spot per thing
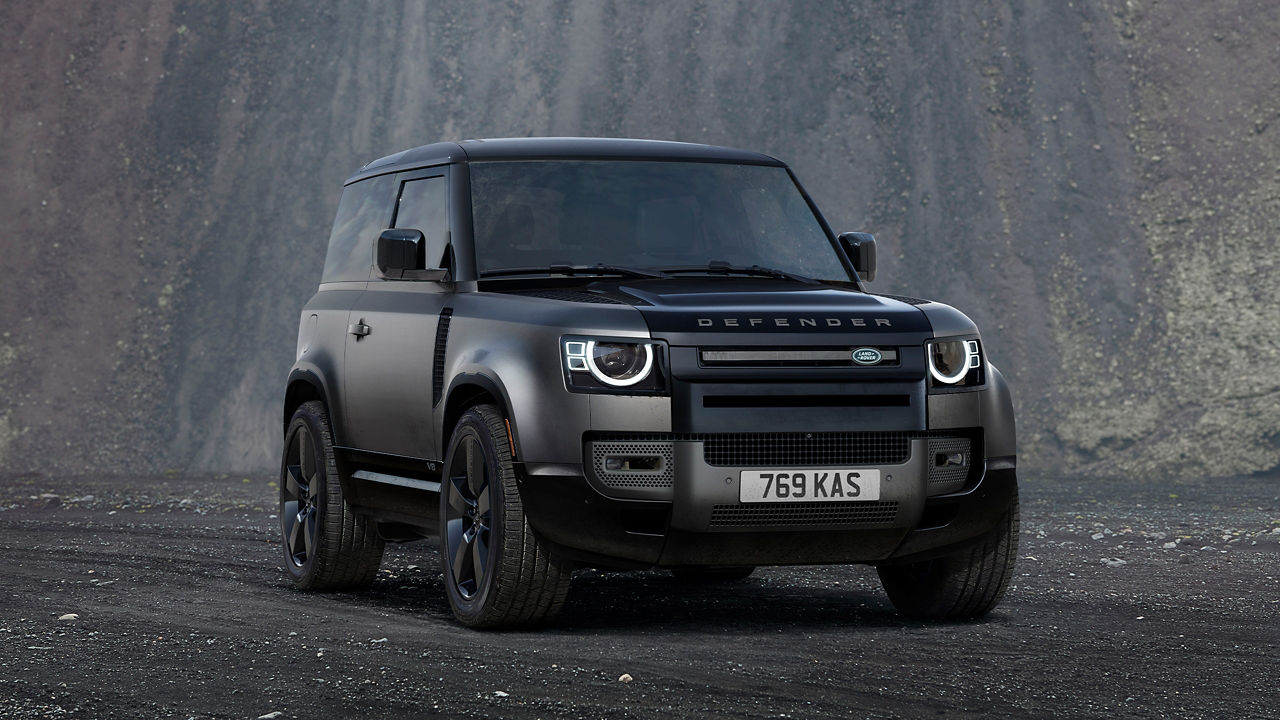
(326, 545)
(497, 571)
(965, 584)
(713, 574)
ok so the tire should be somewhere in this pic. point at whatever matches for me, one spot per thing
(715, 574)
(966, 584)
(326, 545)
(497, 572)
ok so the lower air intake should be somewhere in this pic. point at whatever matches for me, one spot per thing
(807, 514)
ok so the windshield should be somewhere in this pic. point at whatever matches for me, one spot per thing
(645, 214)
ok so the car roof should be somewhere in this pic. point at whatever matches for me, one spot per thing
(558, 148)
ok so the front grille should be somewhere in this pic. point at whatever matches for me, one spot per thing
(798, 448)
(791, 357)
(660, 477)
(808, 514)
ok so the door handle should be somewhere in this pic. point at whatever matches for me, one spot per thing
(359, 329)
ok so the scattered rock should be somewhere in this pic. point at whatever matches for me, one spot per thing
(625, 678)
(69, 616)
(271, 715)
(1208, 548)
(1114, 562)
(1097, 536)
(1170, 545)
(499, 693)
(379, 640)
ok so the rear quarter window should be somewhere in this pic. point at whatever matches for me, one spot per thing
(363, 212)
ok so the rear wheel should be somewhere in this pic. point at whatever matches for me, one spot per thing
(497, 571)
(713, 574)
(966, 584)
(326, 545)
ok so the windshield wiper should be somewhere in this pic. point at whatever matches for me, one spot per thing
(566, 269)
(717, 267)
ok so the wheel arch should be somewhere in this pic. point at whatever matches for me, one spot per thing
(305, 385)
(468, 390)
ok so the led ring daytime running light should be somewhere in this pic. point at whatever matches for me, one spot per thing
(615, 382)
(972, 359)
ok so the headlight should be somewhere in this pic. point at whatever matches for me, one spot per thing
(599, 365)
(954, 362)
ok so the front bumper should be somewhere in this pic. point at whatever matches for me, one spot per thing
(687, 512)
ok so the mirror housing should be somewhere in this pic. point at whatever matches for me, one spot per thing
(402, 256)
(861, 249)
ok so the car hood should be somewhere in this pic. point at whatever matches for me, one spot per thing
(750, 311)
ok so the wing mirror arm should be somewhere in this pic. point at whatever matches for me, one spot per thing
(860, 248)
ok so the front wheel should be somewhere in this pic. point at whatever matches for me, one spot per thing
(497, 571)
(965, 584)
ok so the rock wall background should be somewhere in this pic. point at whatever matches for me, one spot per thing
(1097, 183)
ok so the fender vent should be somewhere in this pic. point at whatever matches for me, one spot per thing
(442, 341)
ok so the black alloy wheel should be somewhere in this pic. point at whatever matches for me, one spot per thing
(299, 503)
(498, 573)
(468, 515)
(327, 546)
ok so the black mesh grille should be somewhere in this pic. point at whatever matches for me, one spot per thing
(581, 296)
(948, 478)
(660, 477)
(815, 448)
(751, 449)
(816, 513)
(442, 342)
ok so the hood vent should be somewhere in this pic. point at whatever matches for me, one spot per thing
(902, 298)
(581, 296)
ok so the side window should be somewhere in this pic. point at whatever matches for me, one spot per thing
(363, 212)
(424, 205)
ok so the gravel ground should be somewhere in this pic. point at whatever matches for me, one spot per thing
(140, 597)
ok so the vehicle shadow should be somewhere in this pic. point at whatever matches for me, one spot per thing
(781, 599)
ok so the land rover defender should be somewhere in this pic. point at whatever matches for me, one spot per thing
(551, 353)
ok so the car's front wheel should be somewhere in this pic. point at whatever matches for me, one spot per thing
(326, 545)
(497, 571)
(965, 584)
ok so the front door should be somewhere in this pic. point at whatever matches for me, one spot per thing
(391, 347)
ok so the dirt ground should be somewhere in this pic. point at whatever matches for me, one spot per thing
(1131, 599)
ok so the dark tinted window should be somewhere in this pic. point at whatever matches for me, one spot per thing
(424, 205)
(645, 214)
(363, 212)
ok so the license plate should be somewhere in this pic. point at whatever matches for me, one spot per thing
(809, 485)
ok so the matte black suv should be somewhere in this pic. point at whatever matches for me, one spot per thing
(626, 353)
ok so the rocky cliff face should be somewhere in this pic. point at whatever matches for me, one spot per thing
(1096, 183)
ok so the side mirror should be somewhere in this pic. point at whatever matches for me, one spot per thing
(402, 256)
(861, 249)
